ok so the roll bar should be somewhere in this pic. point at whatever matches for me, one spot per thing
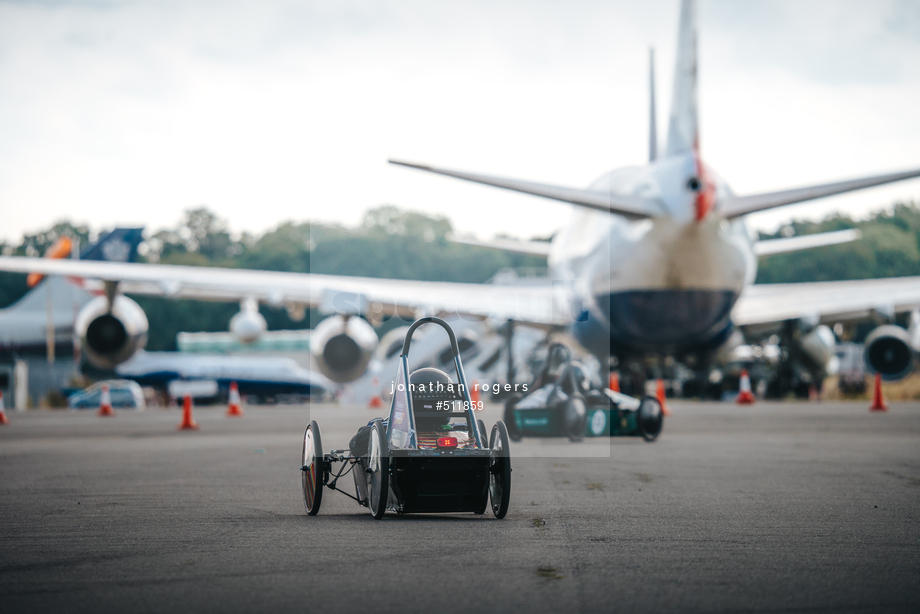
(454, 348)
(481, 441)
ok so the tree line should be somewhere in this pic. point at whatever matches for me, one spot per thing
(394, 243)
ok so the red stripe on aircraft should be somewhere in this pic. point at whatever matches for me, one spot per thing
(706, 197)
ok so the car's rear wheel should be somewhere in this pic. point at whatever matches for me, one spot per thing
(576, 417)
(311, 469)
(485, 494)
(650, 418)
(377, 469)
(482, 432)
(500, 470)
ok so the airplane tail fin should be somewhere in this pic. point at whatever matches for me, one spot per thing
(119, 245)
(652, 122)
(683, 128)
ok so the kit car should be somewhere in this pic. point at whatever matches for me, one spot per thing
(564, 401)
(429, 455)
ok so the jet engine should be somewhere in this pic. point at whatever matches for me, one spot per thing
(248, 324)
(342, 347)
(818, 347)
(109, 337)
(889, 350)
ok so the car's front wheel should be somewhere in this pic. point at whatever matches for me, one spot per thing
(575, 417)
(378, 471)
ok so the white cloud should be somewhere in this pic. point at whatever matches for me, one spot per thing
(288, 110)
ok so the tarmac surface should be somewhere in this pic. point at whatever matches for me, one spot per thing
(770, 508)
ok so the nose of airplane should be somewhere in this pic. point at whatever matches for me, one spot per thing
(704, 189)
(686, 187)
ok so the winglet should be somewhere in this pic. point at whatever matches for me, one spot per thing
(683, 129)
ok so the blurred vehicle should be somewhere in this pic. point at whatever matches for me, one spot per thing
(124, 394)
(566, 401)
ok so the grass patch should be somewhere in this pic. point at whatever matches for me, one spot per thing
(908, 389)
(549, 573)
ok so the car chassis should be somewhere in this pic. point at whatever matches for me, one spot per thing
(400, 468)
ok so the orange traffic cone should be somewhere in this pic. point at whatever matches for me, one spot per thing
(659, 394)
(375, 402)
(878, 399)
(745, 396)
(3, 418)
(614, 383)
(105, 404)
(233, 406)
(188, 423)
(474, 393)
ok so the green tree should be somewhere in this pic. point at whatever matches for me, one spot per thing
(889, 247)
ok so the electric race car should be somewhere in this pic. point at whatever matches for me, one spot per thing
(429, 455)
(564, 401)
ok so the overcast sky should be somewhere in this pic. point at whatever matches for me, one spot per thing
(131, 112)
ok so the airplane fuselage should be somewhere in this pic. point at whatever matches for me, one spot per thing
(662, 285)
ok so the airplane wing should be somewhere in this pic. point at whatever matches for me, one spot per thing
(544, 304)
(631, 207)
(743, 205)
(794, 244)
(531, 248)
(827, 301)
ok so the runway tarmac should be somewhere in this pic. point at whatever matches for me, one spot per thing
(770, 508)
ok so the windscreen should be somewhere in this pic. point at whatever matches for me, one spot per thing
(402, 435)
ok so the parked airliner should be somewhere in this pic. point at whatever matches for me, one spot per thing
(655, 261)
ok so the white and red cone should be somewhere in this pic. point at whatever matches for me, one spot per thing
(234, 407)
(3, 418)
(105, 404)
(745, 396)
